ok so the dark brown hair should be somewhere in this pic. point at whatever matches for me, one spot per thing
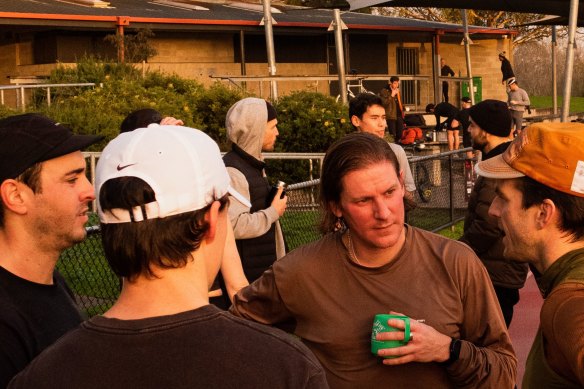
(355, 151)
(570, 207)
(131, 248)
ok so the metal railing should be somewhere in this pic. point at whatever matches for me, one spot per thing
(96, 287)
(20, 97)
(421, 83)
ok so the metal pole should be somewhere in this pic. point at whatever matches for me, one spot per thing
(436, 67)
(48, 97)
(242, 55)
(570, 60)
(23, 105)
(555, 69)
(467, 55)
(340, 56)
(270, 48)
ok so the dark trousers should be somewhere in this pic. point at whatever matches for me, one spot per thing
(507, 299)
(445, 90)
(396, 128)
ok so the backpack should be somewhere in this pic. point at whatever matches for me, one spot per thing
(410, 135)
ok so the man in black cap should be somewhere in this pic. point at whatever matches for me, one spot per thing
(490, 130)
(44, 201)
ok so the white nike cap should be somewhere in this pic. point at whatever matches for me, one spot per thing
(182, 165)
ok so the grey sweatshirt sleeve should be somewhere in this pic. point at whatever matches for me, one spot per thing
(245, 224)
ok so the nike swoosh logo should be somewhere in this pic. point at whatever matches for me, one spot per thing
(125, 166)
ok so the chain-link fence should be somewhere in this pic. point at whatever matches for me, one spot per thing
(443, 180)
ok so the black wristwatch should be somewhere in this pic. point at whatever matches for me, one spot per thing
(454, 351)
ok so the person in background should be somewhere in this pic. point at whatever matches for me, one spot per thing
(394, 110)
(251, 126)
(540, 208)
(44, 205)
(143, 117)
(445, 71)
(368, 115)
(450, 112)
(464, 121)
(506, 70)
(232, 277)
(490, 128)
(518, 100)
(163, 194)
(368, 262)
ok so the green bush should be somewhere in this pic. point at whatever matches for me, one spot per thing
(212, 106)
(120, 89)
(307, 122)
(5, 112)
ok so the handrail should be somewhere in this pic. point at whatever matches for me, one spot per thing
(33, 86)
(22, 87)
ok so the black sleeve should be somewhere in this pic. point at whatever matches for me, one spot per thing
(15, 350)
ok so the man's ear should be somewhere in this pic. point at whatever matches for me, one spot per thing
(355, 121)
(212, 218)
(547, 213)
(335, 209)
(13, 196)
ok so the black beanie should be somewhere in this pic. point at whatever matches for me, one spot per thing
(492, 116)
(271, 112)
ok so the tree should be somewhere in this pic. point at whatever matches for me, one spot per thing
(137, 47)
(533, 68)
(494, 19)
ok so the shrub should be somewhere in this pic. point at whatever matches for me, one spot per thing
(212, 106)
(307, 122)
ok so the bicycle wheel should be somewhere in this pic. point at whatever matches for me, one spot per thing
(423, 184)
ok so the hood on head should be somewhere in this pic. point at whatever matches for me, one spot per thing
(246, 124)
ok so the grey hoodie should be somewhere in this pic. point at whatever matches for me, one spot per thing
(246, 124)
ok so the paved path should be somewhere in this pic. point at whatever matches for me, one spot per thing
(525, 323)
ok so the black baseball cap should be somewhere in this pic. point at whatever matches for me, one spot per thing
(466, 99)
(31, 138)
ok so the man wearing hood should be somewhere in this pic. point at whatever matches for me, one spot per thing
(251, 125)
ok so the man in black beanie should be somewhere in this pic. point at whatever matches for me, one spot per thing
(490, 130)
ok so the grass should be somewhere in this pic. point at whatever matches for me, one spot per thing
(576, 103)
(453, 232)
(89, 276)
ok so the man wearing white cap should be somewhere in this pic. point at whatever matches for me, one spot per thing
(163, 198)
(540, 208)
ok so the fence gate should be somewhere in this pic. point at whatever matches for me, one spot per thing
(407, 63)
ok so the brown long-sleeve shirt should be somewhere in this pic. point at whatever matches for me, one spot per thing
(333, 301)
